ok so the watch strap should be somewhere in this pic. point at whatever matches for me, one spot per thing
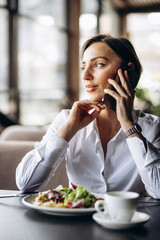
(134, 129)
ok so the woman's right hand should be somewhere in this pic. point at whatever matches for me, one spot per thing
(80, 116)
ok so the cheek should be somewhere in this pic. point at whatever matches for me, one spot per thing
(106, 75)
(104, 78)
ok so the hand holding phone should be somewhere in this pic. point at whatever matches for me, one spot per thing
(108, 100)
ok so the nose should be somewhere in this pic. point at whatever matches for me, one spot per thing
(87, 75)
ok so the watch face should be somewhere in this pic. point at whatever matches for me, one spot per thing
(138, 127)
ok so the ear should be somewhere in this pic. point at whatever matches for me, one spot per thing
(131, 66)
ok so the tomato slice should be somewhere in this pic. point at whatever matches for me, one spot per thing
(73, 186)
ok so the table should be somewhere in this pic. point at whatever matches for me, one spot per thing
(18, 222)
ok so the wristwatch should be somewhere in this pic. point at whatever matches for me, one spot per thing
(136, 128)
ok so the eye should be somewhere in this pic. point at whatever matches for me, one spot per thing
(99, 64)
(83, 68)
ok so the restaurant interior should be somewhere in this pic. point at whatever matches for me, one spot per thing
(40, 46)
(40, 74)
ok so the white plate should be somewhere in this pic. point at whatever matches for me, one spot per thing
(28, 201)
(137, 219)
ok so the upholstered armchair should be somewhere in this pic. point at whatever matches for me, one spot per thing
(15, 142)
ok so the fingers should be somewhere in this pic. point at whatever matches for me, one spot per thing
(94, 114)
(124, 89)
(84, 112)
(125, 82)
(117, 86)
(89, 105)
(112, 93)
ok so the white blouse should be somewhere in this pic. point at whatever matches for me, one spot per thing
(127, 166)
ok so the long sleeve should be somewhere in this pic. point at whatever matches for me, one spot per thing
(147, 158)
(85, 162)
(39, 165)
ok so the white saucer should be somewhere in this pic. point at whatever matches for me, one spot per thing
(137, 219)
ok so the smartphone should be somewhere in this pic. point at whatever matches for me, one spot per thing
(108, 100)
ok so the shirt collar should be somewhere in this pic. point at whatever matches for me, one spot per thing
(92, 127)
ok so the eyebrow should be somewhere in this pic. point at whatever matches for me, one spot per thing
(93, 59)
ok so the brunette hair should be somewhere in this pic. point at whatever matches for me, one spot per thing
(123, 48)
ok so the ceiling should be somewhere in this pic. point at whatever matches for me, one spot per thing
(136, 5)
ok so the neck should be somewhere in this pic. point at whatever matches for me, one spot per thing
(108, 119)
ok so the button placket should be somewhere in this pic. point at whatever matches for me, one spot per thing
(107, 160)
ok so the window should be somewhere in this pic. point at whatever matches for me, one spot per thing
(144, 32)
(42, 59)
(4, 61)
(3, 3)
(88, 27)
(33, 60)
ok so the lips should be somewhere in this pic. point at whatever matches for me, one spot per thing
(90, 88)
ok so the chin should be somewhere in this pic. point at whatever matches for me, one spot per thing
(95, 98)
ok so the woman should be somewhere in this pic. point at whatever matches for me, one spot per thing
(108, 145)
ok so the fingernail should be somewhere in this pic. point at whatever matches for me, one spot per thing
(105, 90)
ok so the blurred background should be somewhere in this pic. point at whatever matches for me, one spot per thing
(40, 46)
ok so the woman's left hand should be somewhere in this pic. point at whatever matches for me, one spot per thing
(124, 99)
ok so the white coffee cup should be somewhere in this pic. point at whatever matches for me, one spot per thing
(118, 206)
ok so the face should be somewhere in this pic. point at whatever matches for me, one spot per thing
(99, 64)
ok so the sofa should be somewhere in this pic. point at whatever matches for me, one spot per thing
(15, 142)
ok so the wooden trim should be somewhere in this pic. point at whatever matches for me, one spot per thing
(13, 76)
(123, 26)
(73, 12)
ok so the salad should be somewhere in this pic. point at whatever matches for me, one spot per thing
(66, 198)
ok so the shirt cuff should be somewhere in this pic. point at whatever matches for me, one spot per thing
(142, 155)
